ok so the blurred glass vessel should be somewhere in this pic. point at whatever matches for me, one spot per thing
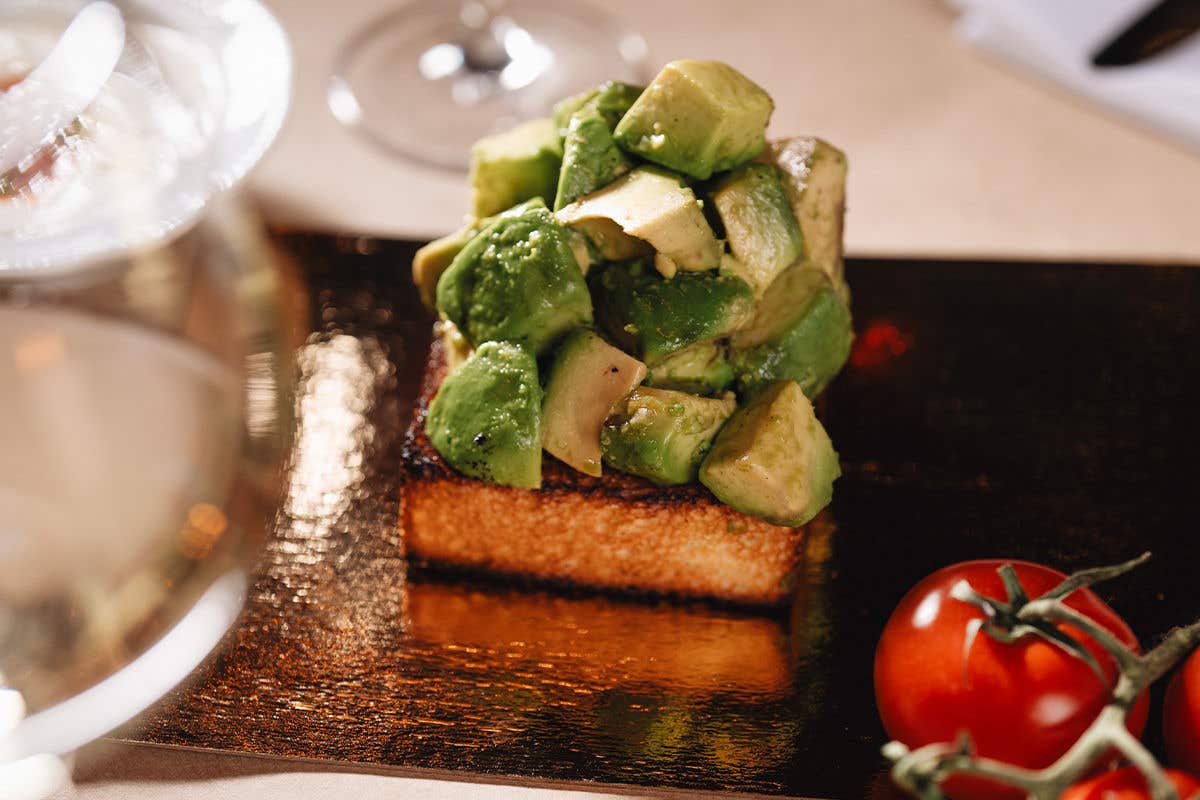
(429, 79)
(144, 359)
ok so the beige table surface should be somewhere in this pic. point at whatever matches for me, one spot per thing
(111, 770)
(950, 154)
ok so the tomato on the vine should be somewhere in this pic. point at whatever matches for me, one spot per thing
(1181, 716)
(1024, 702)
(1128, 784)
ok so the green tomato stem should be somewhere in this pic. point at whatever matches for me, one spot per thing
(1054, 610)
(1090, 577)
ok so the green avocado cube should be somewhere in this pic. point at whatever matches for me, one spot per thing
(514, 166)
(588, 376)
(653, 206)
(591, 159)
(518, 280)
(433, 259)
(773, 459)
(567, 107)
(700, 369)
(612, 99)
(653, 317)
(697, 117)
(486, 418)
(814, 177)
(663, 435)
(762, 232)
(430, 261)
(802, 331)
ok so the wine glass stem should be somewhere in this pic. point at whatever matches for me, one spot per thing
(482, 41)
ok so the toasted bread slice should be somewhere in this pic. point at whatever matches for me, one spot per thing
(617, 531)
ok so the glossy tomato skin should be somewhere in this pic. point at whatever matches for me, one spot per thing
(1024, 703)
(1128, 784)
(1181, 716)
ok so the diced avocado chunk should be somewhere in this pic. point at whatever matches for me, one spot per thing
(763, 234)
(517, 165)
(699, 369)
(663, 435)
(518, 280)
(773, 459)
(430, 261)
(815, 181)
(802, 332)
(653, 317)
(486, 419)
(585, 252)
(591, 159)
(589, 375)
(656, 207)
(612, 243)
(612, 99)
(565, 109)
(455, 347)
(697, 117)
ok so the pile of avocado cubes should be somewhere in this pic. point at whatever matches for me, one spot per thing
(671, 317)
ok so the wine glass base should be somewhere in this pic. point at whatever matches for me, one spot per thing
(430, 79)
(89, 715)
(34, 778)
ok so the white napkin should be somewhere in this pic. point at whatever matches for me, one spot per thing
(1056, 39)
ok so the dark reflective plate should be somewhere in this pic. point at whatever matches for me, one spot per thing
(1018, 410)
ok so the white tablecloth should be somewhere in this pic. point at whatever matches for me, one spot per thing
(950, 154)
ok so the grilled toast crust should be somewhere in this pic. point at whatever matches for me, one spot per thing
(616, 531)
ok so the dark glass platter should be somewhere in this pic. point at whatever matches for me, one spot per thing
(1035, 411)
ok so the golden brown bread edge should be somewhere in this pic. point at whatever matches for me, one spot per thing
(617, 531)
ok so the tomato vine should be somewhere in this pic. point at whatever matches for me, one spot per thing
(922, 771)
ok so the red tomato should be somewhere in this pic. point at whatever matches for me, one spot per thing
(1181, 716)
(1023, 703)
(1128, 784)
